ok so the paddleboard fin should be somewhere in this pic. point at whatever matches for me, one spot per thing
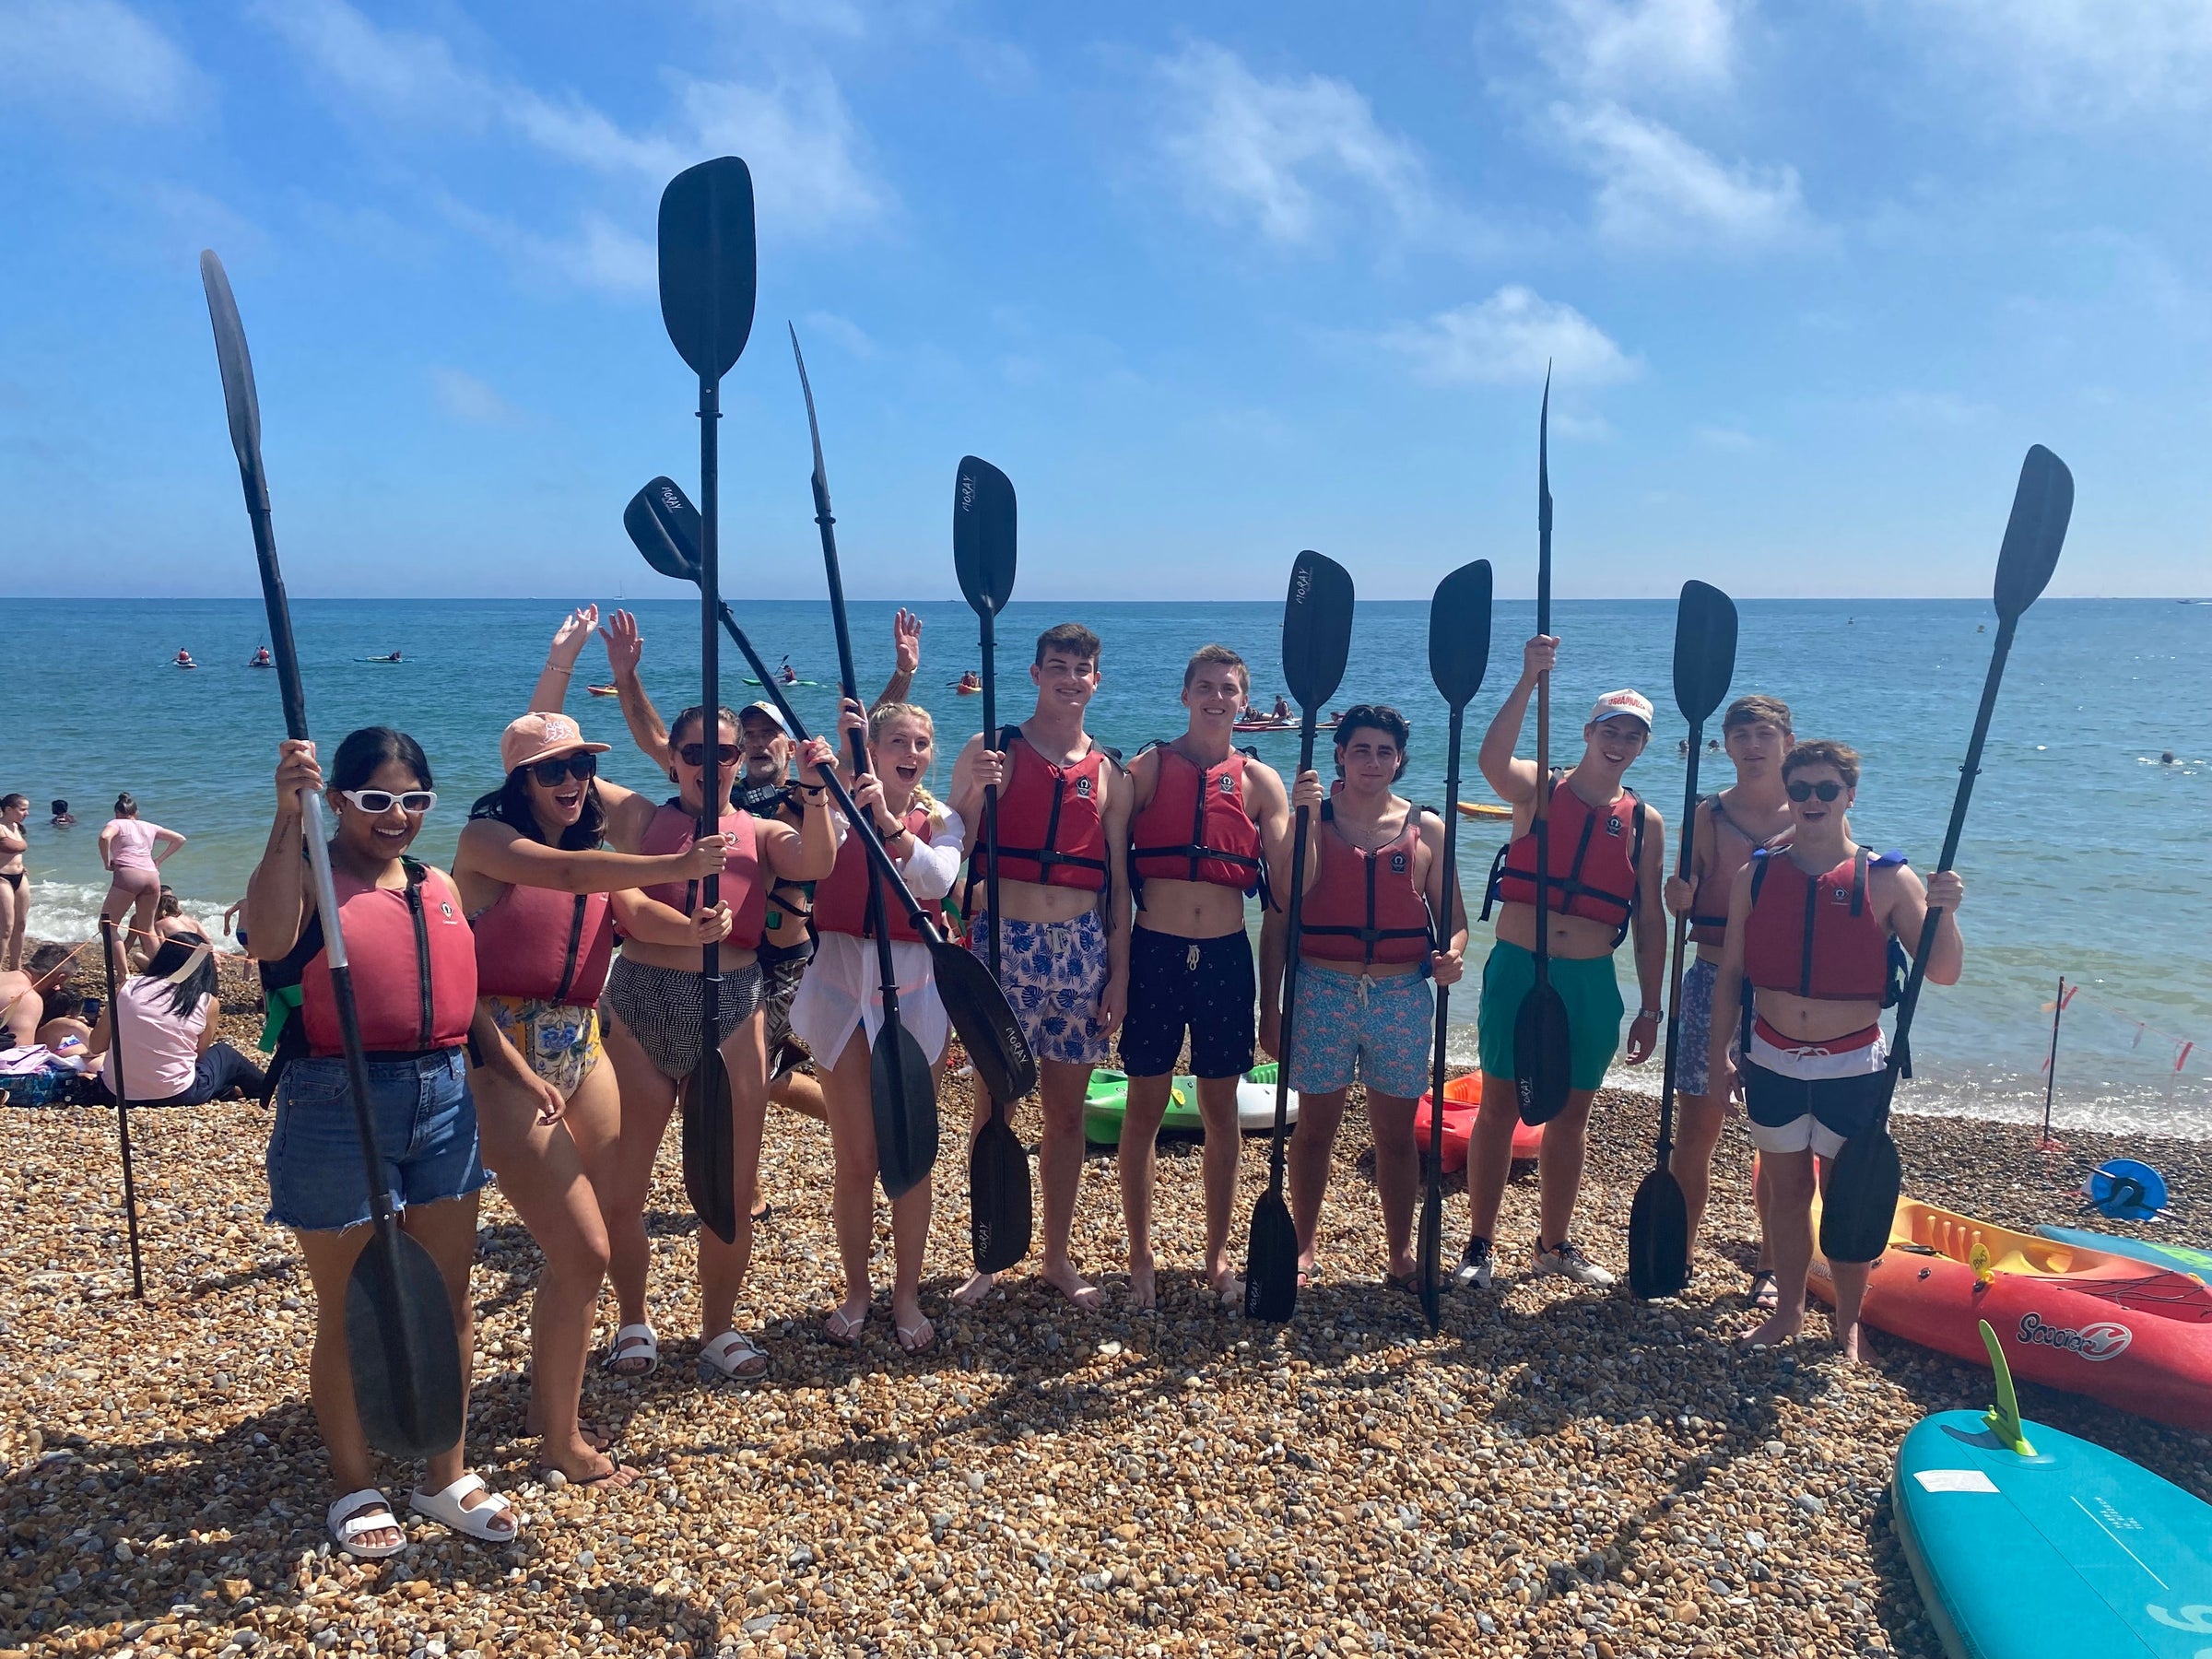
(2004, 1418)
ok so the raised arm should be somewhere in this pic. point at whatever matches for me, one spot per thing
(906, 657)
(625, 649)
(1514, 779)
(276, 893)
(552, 689)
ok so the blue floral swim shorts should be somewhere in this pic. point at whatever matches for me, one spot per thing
(1054, 974)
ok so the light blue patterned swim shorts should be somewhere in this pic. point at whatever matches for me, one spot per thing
(1052, 973)
(1375, 1031)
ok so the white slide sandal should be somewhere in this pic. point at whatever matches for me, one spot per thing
(726, 1358)
(634, 1341)
(447, 1508)
(366, 1511)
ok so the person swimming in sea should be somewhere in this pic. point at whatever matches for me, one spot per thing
(62, 818)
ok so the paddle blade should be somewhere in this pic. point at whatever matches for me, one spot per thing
(664, 526)
(2041, 506)
(1429, 1252)
(240, 401)
(1861, 1201)
(709, 265)
(905, 1099)
(1704, 649)
(1271, 1271)
(988, 1030)
(1317, 628)
(1459, 632)
(402, 1351)
(982, 535)
(710, 1147)
(1542, 1068)
(1658, 1237)
(998, 1196)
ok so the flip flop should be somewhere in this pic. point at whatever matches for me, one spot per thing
(840, 1329)
(916, 1339)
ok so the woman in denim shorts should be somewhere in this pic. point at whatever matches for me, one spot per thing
(400, 919)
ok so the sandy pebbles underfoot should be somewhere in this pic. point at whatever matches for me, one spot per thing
(1558, 1472)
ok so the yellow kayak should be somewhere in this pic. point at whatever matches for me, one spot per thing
(1484, 810)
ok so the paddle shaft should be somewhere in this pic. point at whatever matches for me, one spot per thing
(1911, 999)
(1542, 824)
(1443, 992)
(988, 632)
(2058, 1012)
(710, 696)
(122, 1107)
(1296, 916)
(1673, 982)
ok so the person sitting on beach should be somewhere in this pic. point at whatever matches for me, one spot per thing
(133, 851)
(1810, 925)
(14, 896)
(1730, 825)
(1606, 857)
(22, 1008)
(170, 920)
(164, 1021)
(838, 1008)
(414, 973)
(1377, 927)
(62, 818)
(534, 883)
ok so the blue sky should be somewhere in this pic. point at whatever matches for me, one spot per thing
(1210, 282)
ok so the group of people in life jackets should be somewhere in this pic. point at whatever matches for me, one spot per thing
(509, 1035)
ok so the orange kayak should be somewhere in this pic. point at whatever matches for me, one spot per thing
(2128, 1333)
(1462, 1099)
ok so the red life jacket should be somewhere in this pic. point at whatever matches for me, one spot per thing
(1709, 920)
(1050, 832)
(545, 945)
(1196, 826)
(1814, 936)
(1600, 846)
(841, 898)
(1363, 906)
(673, 829)
(414, 963)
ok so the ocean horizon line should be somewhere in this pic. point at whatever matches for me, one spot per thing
(678, 596)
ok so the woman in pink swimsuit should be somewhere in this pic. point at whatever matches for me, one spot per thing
(133, 851)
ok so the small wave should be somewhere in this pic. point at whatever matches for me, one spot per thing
(68, 911)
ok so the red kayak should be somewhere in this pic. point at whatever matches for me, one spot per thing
(2125, 1332)
(1462, 1099)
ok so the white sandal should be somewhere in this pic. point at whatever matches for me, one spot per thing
(366, 1511)
(447, 1510)
(634, 1341)
(723, 1359)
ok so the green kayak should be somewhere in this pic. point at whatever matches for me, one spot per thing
(1109, 1093)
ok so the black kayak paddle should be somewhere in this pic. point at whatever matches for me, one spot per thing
(709, 271)
(665, 528)
(1317, 639)
(401, 1347)
(1459, 653)
(1659, 1215)
(1865, 1179)
(999, 1216)
(901, 1093)
(1542, 1066)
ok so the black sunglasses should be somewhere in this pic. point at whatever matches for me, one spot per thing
(1805, 791)
(695, 754)
(580, 767)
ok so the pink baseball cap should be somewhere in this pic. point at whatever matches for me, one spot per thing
(1613, 705)
(540, 736)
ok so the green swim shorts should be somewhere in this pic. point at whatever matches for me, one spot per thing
(1593, 1011)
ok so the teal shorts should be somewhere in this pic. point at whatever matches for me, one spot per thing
(1593, 1011)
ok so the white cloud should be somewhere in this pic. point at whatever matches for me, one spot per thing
(92, 55)
(1657, 186)
(2077, 61)
(1619, 47)
(600, 255)
(800, 141)
(1270, 153)
(465, 398)
(843, 330)
(1510, 339)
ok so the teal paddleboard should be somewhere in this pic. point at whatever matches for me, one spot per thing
(2179, 1257)
(2030, 1544)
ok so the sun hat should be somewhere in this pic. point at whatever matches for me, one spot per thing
(540, 736)
(1613, 704)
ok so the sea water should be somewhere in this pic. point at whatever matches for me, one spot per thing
(2084, 855)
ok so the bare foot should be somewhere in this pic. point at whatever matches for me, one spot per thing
(1777, 1330)
(585, 1467)
(1847, 1341)
(1063, 1279)
(1142, 1293)
(975, 1290)
(592, 1434)
(1224, 1283)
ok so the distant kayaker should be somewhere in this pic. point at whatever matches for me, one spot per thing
(1814, 1058)
(184, 658)
(262, 659)
(1752, 812)
(1063, 840)
(1607, 855)
(1204, 817)
(1368, 947)
(1282, 708)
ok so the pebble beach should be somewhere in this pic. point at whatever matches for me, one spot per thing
(1558, 1472)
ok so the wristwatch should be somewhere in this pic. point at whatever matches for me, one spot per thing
(1649, 1014)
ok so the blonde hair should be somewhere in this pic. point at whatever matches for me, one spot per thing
(881, 716)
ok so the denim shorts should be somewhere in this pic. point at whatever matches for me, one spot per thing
(425, 1122)
(1347, 1026)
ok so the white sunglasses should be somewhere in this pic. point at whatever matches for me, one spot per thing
(377, 802)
